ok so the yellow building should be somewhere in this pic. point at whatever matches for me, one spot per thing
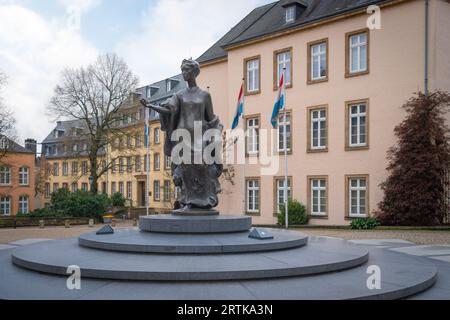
(65, 164)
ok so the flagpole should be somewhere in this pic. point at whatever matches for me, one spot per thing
(286, 201)
(147, 163)
(245, 151)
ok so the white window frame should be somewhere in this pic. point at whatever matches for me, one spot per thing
(4, 143)
(281, 125)
(321, 193)
(122, 188)
(321, 51)
(282, 191)
(74, 187)
(5, 176)
(168, 86)
(24, 204)
(358, 190)
(24, 176)
(113, 187)
(167, 191)
(253, 196)
(5, 206)
(319, 120)
(252, 136)
(359, 115)
(290, 14)
(156, 190)
(157, 162)
(157, 135)
(284, 60)
(359, 44)
(252, 67)
(65, 169)
(129, 190)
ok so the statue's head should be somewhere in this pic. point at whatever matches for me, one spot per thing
(190, 69)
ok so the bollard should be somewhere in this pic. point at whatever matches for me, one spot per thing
(41, 224)
(91, 223)
(67, 224)
(135, 222)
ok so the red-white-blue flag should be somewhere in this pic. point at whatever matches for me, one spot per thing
(239, 108)
(146, 127)
(279, 103)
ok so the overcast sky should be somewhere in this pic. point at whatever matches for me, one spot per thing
(38, 38)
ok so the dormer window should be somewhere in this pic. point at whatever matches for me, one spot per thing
(148, 92)
(290, 14)
(4, 143)
(168, 85)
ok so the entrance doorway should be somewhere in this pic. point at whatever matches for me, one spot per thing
(141, 193)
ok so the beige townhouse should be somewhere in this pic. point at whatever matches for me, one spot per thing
(346, 83)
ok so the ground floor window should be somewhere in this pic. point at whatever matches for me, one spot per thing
(156, 191)
(74, 187)
(129, 190)
(121, 188)
(357, 196)
(84, 186)
(253, 197)
(167, 192)
(282, 192)
(318, 196)
(23, 204)
(5, 206)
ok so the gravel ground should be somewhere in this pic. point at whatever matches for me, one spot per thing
(10, 235)
(418, 237)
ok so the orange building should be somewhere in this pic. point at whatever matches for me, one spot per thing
(17, 177)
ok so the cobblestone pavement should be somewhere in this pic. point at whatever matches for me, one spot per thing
(417, 237)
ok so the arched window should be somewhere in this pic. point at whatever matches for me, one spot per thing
(5, 175)
(24, 176)
(23, 204)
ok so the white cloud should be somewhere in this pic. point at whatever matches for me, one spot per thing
(82, 5)
(33, 52)
(177, 29)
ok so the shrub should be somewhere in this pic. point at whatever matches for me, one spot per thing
(364, 224)
(80, 204)
(297, 213)
(42, 213)
(118, 200)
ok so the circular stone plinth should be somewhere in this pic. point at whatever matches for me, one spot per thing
(131, 240)
(317, 257)
(196, 212)
(194, 224)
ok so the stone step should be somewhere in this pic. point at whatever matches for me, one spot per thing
(319, 256)
(131, 240)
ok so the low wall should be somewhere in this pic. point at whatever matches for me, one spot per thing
(15, 222)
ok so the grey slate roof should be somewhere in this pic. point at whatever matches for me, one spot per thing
(270, 19)
(178, 84)
(14, 147)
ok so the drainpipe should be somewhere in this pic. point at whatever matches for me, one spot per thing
(427, 9)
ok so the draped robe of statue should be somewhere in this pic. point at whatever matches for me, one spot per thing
(199, 183)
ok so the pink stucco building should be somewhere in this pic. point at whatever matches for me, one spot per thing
(347, 86)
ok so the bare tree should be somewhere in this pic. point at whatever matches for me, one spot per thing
(7, 121)
(95, 95)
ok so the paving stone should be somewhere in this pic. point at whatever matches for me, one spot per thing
(424, 250)
(26, 242)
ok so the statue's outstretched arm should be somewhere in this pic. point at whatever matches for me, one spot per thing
(159, 109)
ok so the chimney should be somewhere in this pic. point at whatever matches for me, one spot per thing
(31, 145)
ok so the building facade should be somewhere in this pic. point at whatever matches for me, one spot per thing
(65, 163)
(346, 84)
(17, 177)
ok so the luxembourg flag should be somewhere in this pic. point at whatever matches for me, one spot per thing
(146, 127)
(279, 103)
(239, 108)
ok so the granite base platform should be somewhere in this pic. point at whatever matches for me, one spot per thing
(207, 257)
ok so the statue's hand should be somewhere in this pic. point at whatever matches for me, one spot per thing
(143, 102)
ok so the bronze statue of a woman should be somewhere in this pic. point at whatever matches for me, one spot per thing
(189, 110)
